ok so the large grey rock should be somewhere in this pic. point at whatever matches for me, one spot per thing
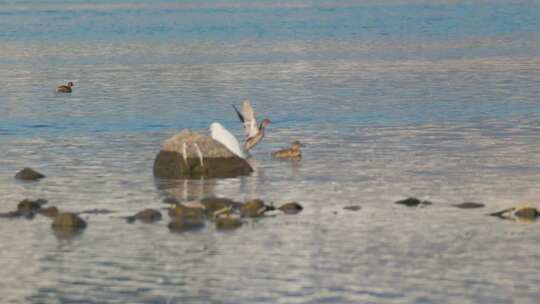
(218, 161)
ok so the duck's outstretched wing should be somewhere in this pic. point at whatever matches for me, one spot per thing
(250, 123)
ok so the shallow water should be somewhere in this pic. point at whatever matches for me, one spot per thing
(437, 100)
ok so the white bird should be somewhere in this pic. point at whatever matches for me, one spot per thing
(222, 135)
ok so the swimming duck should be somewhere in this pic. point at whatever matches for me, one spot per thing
(293, 153)
(65, 88)
(254, 133)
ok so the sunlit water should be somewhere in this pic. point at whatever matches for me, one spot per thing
(438, 100)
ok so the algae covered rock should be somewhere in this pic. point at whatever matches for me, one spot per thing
(68, 221)
(204, 157)
(181, 211)
(183, 224)
(228, 223)
(215, 204)
(49, 211)
(254, 208)
(29, 174)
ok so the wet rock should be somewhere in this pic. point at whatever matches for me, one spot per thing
(29, 174)
(469, 205)
(49, 211)
(183, 224)
(218, 161)
(413, 202)
(291, 208)
(181, 211)
(68, 222)
(145, 216)
(524, 213)
(352, 208)
(228, 223)
(254, 208)
(29, 206)
(214, 204)
(527, 213)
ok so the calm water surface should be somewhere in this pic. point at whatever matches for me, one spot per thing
(434, 99)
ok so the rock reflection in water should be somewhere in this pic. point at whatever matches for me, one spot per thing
(185, 190)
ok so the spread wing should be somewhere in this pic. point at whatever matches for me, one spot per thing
(250, 123)
(219, 133)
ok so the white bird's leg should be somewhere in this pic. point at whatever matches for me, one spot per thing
(184, 153)
(201, 159)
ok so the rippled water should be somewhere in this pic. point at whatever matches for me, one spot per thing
(434, 99)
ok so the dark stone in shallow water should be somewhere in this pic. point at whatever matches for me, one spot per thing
(30, 206)
(182, 224)
(228, 223)
(96, 211)
(413, 202)
(49, 212)
(29, 174)
(469, 205)
(213, 204)
(68, 222)
(145, 216)
(352, 208)
(528, 213)
(254, 208)
(291, 208)
(183, 212)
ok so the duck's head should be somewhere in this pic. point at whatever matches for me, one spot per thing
(70, 84)
(264, 123)
(296, 145)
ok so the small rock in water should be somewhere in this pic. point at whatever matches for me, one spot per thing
(181, 211)
(228, 223)
(254, 208)
(469, 205)
(29, 174)
(213, 204)
(527, 213)
(146, 216)
(185, 224)
(413, 202)
(49, 212)
(26, 207)
(291, 208)
(171, 200)
(68, 221)
(353, 208)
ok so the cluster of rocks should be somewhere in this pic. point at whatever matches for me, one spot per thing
(523, 213)
(224, 213)
(64, 223)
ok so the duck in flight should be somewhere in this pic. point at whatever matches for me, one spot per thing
(254, 133)
(293, 153)
(65, 88)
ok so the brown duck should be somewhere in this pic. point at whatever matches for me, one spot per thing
(293, 153)
(65, 88)
(254, 133)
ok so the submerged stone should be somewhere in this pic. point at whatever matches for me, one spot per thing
(30, 206)
(469, 205)
(352, 208)
(291, 208)
(29, 174)
(413, 202)
(217, 160)
(527, 213)
(146, 216)
(49, 211)
(182, 224)
(228, 223)
(181, 211)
